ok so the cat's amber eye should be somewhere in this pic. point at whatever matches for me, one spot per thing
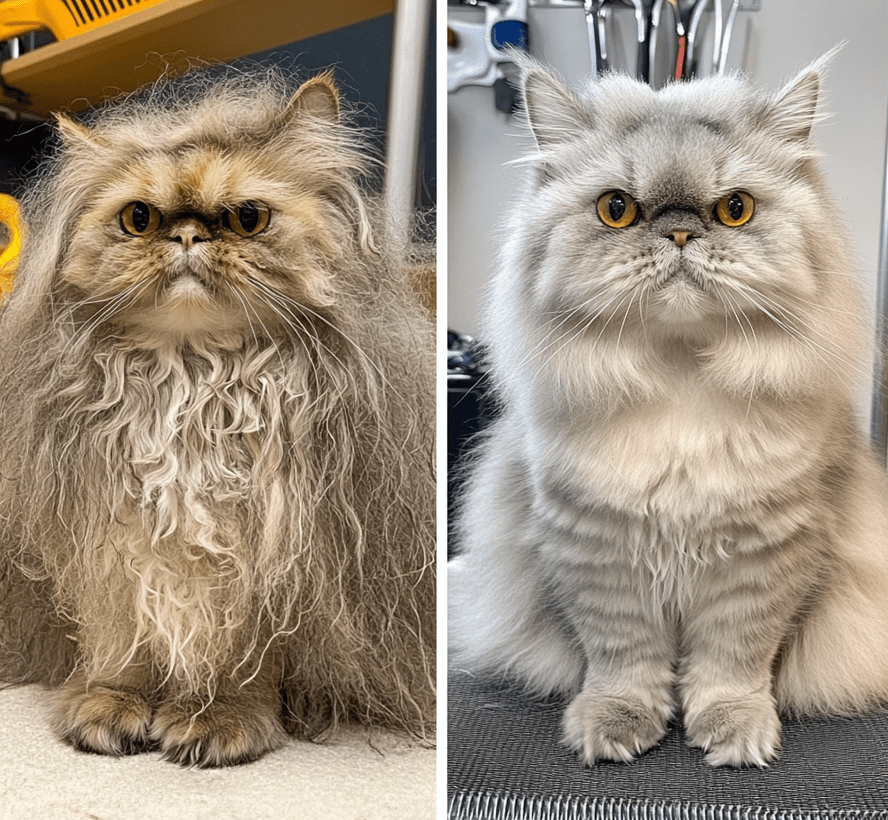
(139, 218)
(735, 209)
(248, 219)
(617, 209)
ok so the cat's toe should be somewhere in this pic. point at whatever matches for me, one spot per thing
(741, 733)
(609, 728)
(223, 733)
(104, 719)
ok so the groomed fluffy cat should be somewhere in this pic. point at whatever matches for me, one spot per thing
(216, 415)
(676, 508)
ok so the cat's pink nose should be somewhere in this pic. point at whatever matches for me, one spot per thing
(680, 238)
(187, 234)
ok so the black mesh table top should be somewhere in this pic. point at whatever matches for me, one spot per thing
(505, 761)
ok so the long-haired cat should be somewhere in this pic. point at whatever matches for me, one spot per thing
(676, 508)
(216, 415)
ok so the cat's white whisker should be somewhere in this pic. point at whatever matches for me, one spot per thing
(729, 303)
(113, 306)
(626, 316)
(248, 309)
(286, 310)
(774, 310)
(580, 312)
(568, 338)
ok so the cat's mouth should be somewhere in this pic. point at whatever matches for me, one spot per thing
(187, 287)
(189, 280)
(683, 276)
(681, 294)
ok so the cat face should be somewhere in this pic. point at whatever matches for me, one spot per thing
(221, 221)
(674, 212)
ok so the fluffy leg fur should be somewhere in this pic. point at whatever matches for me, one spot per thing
(239, 725)
(731, 632)
(498, 618)
(837, 660)
(109, 717)
(627, 644)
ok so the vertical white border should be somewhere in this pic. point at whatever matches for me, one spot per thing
(441, 439)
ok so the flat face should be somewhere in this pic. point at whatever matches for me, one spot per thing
(679, 209)
(207, 223)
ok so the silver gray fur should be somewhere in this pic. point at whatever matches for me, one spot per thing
(676, 509)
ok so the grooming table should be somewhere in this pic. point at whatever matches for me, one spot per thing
(505, 762)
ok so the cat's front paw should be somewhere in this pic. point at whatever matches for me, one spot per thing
(737, 733)
(103, 719)
(600, 727)
(226, 732)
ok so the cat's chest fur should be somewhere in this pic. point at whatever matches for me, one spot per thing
(695, 467)
(192, 440)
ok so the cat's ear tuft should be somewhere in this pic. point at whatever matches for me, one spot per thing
(793, 110)
(73, 132)
(553, 111)
(317, 97)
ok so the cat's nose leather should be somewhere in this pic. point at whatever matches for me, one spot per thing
(678, 222)
(187, 234)
(680, 238)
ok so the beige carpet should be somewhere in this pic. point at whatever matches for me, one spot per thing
(354, 776)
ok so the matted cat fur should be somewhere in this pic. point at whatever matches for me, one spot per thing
(217, 420)
(676, 512)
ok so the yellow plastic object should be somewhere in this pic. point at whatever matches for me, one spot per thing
(64, 18)
(123, 54)
(9, 216)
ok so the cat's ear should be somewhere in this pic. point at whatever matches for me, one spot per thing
(73, 132)
(317, 97)
(793, 110)
(553, 111)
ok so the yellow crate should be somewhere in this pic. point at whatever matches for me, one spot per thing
(123, 52)
(64, 18)
(9, 216)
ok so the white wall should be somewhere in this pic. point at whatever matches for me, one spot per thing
(770, 45)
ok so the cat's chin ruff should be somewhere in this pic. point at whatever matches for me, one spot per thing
(195, 322)
(680, 301)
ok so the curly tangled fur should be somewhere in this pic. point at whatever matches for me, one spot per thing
(676, 507)
(216, 482)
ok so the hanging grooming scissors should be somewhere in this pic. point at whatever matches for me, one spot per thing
(597, 15)
(596, 23)
(686, 20)
(644, 25)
